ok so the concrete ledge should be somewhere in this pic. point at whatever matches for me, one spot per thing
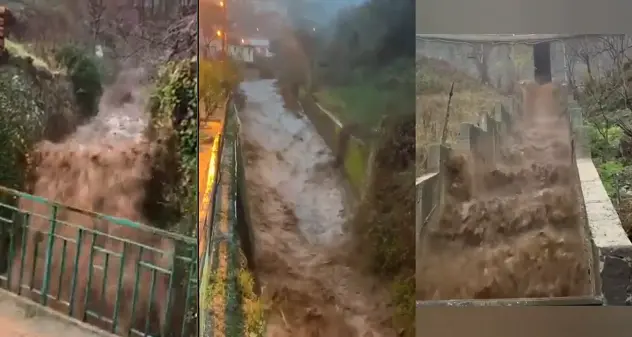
(610, 240)
(358, 153)
(36, 318)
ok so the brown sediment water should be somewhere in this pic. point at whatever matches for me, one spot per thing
(107, 166)
(297, 204)
(511, 229)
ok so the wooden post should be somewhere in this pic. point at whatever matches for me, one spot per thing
(542, 62)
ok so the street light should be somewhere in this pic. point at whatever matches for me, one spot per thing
(223, 36)
(218, 33)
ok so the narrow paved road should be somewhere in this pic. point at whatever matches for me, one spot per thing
(206, 175)
(297, 199)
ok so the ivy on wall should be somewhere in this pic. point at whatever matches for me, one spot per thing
(174, 115)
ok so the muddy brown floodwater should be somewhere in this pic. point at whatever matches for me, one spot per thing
(105, 166)
(511, 229)
(298, 224)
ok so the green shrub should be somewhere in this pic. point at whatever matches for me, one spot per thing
(22, 124)
(174, 115)
(604, 142)
(382, 222)
(217, 78)
(85, 75)
(608, 171)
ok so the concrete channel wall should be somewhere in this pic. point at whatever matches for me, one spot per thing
(357, 153)
(611, 249)
(501, 63)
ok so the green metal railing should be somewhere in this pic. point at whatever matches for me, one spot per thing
(114, 273)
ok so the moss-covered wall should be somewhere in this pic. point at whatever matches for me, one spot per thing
(357, 152)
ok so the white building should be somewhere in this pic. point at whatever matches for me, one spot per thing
(239, 52)
(245, 50)
(261, 46)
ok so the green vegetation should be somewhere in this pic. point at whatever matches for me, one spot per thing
(217, 79)
(608, 149)
(20, 50)
(174, 123)
(83, 71)
(29, 113)
(370, 95)
(607, 114)
(390, 201)
(355, 163)
(358, 66)
(251, 322)
(252, 307)
(22, 124)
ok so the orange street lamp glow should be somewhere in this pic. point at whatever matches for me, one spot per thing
(219, 33)
(221, 3)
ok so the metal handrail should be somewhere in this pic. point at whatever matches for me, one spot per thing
(100, 216)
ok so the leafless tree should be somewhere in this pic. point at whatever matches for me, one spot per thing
(96, 11)
(603, 88)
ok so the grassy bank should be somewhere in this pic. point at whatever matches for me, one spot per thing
(369, 96)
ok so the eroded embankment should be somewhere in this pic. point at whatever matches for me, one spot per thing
(511, 229)
(296, 200)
